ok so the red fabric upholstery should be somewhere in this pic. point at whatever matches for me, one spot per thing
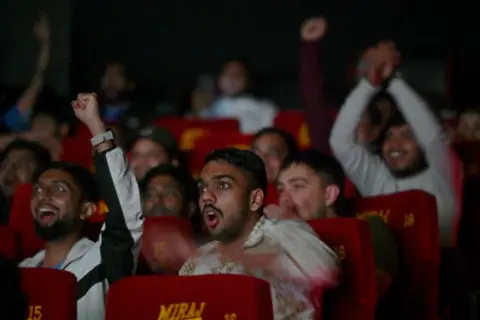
(186, 131)
(156, 249)
(52, 294)
(412, 216)
(21, 221)
(293, 121)
(272, 194)
(209, 142)
(9, 243)
(194, 297)
(356, 296)
(78, 150)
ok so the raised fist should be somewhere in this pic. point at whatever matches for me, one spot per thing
(313, 29)
(41, 28)
(379, 62)
(86, 109)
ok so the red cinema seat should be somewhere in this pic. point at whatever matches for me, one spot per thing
(52, 294)
(155, 248)
(78, 150)
(293, 121)
(9, 243)
(356, 295)
(207, 143)
(21, 221)
(412, 216)
(186, 131)
(228, 297)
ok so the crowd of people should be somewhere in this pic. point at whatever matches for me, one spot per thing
(249, 208)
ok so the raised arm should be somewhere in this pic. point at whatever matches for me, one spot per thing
(121, 233)
(18, 117)
(317, 112)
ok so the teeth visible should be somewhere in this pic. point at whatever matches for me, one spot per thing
(395, 154)
(211, 213)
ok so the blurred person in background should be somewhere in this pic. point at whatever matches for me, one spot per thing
(199, 98)
(153, 146)
(468, 128)
(17, 118)
(236, 99)
(19, 161)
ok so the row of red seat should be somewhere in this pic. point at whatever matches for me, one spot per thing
(412, 217)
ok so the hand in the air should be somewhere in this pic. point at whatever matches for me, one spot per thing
(313, 29)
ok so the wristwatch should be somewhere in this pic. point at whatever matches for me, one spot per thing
(102, 137)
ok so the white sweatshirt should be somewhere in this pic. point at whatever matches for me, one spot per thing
(370, 174)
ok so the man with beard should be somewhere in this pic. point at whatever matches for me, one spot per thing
(287, 253)
(414, 154)
(65, 196)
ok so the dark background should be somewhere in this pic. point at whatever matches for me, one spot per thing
(170, 42)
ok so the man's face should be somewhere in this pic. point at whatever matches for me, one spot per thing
(401, 152)
(55, 205)
(164, 197)
(44, 126)
(146, 155)
(233, 79)
(17, 168)
(469, 127)
(273, 150)
(114, 81)
(303, 191)
(224, 200)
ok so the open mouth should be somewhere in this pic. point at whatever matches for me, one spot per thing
(46, 214)
(211, 217)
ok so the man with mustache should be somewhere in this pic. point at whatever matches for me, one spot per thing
(288, 254)
(65, 196)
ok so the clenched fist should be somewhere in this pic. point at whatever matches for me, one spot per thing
(87, 110)
(313, 29)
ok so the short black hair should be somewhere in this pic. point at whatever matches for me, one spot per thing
(41, 155)
(289, 140)
(83, 178)
(374, 114)
(182, 177)
(324, 165)
(247, 161)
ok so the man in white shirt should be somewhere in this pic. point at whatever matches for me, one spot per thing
(287, 253)
(414, 153)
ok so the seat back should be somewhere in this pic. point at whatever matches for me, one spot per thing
(187, 131)
(209, 142)
(10, 246)
(293, 121)
(412, 216)
(156, 248)
(355, 297)
(52, 294)
(228, 297)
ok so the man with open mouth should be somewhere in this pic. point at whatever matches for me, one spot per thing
(65, 196)
(286, 253)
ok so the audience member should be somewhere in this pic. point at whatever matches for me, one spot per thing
(65, 196)
(468, 128)
(17, 119)
(19, 161)
(232, 188)
(414, 154)
(236, 100)
(152, 147)
(273, 145)
(311, 187)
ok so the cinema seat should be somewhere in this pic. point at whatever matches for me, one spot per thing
(412, 216)
(228, 297)
(52, 294)
(9, 243)
(356, 296)
(155, 254)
